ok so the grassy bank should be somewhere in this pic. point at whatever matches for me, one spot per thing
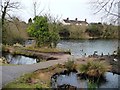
(17, 32)
(38, 79)
(43, 54)
(23, 50)
(42, 78)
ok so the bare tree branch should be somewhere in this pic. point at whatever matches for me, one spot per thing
(7, 6)
(102, 6)
(15, 5)
(36, 8)
(13, 21)
(107, 7)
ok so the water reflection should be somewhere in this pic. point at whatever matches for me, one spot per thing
(110, 81)
(19, 59)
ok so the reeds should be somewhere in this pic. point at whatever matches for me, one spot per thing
(94, 68)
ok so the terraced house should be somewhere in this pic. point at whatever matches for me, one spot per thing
(75, 22)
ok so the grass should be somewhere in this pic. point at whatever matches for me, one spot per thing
(24, 82)
(21, 83)
(94, 68)
(70, 65)
(24, 50)
(43, 49)
(32, 52)
(38, 79)
(92, 85)
(42, 78)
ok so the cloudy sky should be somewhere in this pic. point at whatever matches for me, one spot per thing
(80, 9)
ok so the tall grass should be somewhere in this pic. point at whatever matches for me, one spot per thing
(70, 65)
(92, 85)
(94, 68)
(94, 72)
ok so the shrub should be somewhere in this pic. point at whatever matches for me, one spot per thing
(40, 30)
(94, 68)
(92, 85)
(95, 30)
(64, 32)
(70, 65)
(17, 39)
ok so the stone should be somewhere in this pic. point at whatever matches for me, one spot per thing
(3, 60)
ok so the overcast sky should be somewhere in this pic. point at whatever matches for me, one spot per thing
(80, 9)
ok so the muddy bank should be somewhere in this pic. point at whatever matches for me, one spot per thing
(34, 53)
(114, 62)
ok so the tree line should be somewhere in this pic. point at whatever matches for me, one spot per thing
(48, 33)
(47, 30)
(92, 31)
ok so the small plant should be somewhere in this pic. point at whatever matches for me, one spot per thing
(92, 85)
(94, 68)
(70, 65)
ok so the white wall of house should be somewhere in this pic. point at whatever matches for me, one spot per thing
(64, 23)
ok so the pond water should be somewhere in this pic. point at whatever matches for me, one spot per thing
(80, 47)
(20, 59)
(72, 79)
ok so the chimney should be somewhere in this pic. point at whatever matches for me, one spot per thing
(85, 20)
(75, 19)
(67, 19)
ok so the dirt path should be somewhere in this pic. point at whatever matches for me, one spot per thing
(10, 73)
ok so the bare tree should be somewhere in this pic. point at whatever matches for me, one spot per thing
(108, 7)
(36, 8)
(51, 18)
(7, 6)
(15, 21)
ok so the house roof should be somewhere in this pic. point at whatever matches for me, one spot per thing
(74, 21)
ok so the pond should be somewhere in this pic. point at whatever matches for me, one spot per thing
(78, 48)
(20, 59)
(60, 81)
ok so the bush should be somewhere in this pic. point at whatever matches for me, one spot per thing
(95, 30)
(64, 32)
(94, 68)
(14, 31)
(70, 65)
(40, 30)
(19, 40)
